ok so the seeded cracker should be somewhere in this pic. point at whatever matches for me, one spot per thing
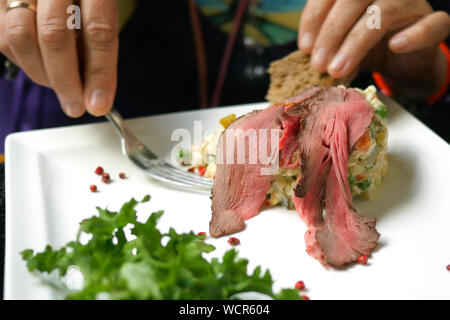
(294, 74)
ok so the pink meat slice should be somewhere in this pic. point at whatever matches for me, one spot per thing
(323, 125)
(337, 119)
(291, 124)
(240, 190)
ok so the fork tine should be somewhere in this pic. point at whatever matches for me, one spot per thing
(186, 174)
(175, 172)
(164, 176)
(183, 176)
(178, 184)
(167, 178)
(160, 170)
(190, 177)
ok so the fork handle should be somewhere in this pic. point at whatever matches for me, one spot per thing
(116, 119)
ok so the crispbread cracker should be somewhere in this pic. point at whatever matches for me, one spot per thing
(294, 74)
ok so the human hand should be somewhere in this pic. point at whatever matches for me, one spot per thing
(405, 48)
(79, 65)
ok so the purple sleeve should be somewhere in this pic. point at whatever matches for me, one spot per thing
(25, 105)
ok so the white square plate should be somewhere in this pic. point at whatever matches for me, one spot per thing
(48, 174)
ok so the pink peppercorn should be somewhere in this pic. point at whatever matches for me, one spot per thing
(300, 285)
(234, 241)
(362, 259)
(106, 178)
(99, 171)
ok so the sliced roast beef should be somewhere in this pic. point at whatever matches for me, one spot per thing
(239, 188)
(337, 118)
(321, 126)
(292, 121)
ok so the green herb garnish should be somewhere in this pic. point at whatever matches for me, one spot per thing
(351, 180)
(144, 267)
(365, 184)
(382, 111)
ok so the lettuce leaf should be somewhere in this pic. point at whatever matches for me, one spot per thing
(144, 268)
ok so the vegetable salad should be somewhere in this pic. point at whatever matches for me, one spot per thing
(367, 162)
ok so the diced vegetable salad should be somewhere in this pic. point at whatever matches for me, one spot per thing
(367, 162)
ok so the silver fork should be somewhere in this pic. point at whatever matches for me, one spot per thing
(156, 168)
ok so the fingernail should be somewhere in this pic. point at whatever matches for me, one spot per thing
(399, 43)
(319, 58)
(338, 62)
(98, 100)
(346, 69)
(306, 41)
(73, 109)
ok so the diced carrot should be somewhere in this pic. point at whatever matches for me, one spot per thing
(363, 144)
(201, 171)
(360, 177)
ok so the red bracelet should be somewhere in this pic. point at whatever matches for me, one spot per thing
(435, 97)
(442, 90)
(381, 84)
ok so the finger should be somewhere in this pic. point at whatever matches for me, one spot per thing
(101, 43)
(3, 4)
(311, 20)
(58, 49)
(355, 47)
(425, 33)
(20, 29)
(4, 48)
(339, 21)
(363, 37)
